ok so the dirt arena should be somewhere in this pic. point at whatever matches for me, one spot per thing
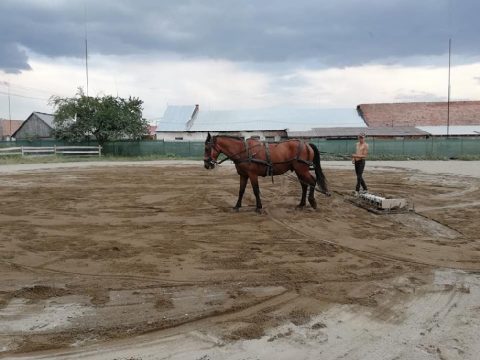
(148, 261)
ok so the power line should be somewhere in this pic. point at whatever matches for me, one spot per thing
(23, 96)
(24, 88)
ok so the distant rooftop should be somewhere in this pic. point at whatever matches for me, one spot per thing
(176, 118)
(420, 113)
(7, 127)
(453, 130)
(183, 119)
(352, 132)
(47, 118)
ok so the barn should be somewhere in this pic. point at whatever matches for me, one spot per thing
(37, 126)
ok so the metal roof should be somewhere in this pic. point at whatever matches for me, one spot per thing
(453, 130)
(235, 120)
(175, 118)
(349, 132)
(47, 118)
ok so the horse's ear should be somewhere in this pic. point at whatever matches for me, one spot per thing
(209, 137)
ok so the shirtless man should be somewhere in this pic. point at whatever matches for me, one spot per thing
(358, 159)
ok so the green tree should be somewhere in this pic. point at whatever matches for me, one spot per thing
(106, 118)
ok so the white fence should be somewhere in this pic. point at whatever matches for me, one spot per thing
(52, 150)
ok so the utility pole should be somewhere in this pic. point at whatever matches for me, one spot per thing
(448, 98)
(86, 47)
(9, 115)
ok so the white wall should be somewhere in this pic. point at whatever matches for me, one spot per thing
(201, 136)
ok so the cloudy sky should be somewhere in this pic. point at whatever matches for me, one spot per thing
(227, 54)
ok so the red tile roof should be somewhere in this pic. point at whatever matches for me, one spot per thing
(152, 129)
(420, 113)
(5, 124)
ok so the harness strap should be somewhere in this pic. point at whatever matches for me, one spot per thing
(269, 161)
(247, 150)
(299, 150)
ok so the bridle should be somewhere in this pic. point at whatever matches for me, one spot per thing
(211, 145)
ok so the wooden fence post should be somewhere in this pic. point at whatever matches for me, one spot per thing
(22, 151)
(99, 151)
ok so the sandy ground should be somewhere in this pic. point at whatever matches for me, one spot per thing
(147, 261)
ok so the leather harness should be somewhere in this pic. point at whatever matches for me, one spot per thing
(269, 165)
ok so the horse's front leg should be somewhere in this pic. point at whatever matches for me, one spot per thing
(256, 191)
(243, 185)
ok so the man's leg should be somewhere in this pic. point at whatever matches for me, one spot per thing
(360, 176)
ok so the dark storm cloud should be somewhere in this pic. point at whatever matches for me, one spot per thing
(331, 33)
(12, 58)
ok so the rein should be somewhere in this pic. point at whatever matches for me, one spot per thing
(230, 157)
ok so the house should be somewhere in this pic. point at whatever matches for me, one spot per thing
(8, 127)
(37, 126)
(463, 117)
(191, 123)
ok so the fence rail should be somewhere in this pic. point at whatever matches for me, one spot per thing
(432, 148)
(52, 150)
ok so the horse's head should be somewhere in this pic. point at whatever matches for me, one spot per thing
(211, 152)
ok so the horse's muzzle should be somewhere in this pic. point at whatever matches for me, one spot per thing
(209, 164)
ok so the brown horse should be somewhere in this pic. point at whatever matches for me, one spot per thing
(254, 158)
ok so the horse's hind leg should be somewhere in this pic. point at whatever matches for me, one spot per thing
(243, 185)
(256, 191)
(308, 180)
(304, 195)
(311, 197)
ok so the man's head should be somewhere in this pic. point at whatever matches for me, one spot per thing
(361, 137)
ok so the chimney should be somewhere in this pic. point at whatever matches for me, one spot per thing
(192, 119)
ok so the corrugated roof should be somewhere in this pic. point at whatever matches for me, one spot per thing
(175, 118)
(47, 118)
(453, 130)
(421, 113)
(349, 132)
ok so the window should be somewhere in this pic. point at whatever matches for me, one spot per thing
(270, 138)
(255, 137)
(179, 138)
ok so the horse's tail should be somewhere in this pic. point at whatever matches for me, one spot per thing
(321, 180)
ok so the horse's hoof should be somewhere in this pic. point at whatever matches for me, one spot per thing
(259, 210)
(300, 207)
(236, 209)
(313, 204)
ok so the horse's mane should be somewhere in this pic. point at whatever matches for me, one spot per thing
(242, 139)
(230, 137)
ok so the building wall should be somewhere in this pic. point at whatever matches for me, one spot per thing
(34, 128)
(274, 135)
